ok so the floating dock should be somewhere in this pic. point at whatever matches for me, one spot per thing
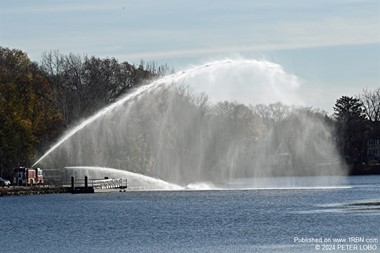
(86, 186)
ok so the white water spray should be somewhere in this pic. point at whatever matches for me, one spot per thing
(198, 126)
(272, 73)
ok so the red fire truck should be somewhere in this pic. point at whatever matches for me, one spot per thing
(27, 176)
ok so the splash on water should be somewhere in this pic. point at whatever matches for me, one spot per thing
(202, 186)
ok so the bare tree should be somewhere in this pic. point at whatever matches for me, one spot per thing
(84, 84)
(371, 103)
(272, 112)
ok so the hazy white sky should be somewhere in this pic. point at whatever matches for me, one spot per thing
(333, 46)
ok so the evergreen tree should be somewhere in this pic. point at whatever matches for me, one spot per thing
(352, 128)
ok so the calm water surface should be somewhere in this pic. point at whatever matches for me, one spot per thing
(253, 220)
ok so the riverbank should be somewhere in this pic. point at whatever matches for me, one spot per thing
(364, 169)
(24, 190)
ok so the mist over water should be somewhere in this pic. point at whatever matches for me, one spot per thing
(212, 123)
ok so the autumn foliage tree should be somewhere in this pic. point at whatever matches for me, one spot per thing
(28, 115)
(39, 102)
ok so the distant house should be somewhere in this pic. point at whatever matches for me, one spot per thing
(373, 149)
(373, 143)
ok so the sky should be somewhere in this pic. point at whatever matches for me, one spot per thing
(332, 46)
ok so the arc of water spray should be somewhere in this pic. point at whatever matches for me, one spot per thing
(170, 78)
(99, 114)
(166, 79)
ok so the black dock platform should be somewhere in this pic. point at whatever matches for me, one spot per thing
(78, 190)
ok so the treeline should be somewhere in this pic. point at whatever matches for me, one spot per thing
(38, 102)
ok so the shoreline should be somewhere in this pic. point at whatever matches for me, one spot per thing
(34, 190)
(58, 189)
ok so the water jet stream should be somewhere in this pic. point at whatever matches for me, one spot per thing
(173, 78)
(205, 125)
(135, 181)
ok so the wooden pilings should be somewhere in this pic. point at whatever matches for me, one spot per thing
(72, 184)
(86, 182)
(81, 189)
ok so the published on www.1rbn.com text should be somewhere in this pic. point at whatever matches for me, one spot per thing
(354, 243)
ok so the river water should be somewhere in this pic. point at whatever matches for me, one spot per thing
(286, 219)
